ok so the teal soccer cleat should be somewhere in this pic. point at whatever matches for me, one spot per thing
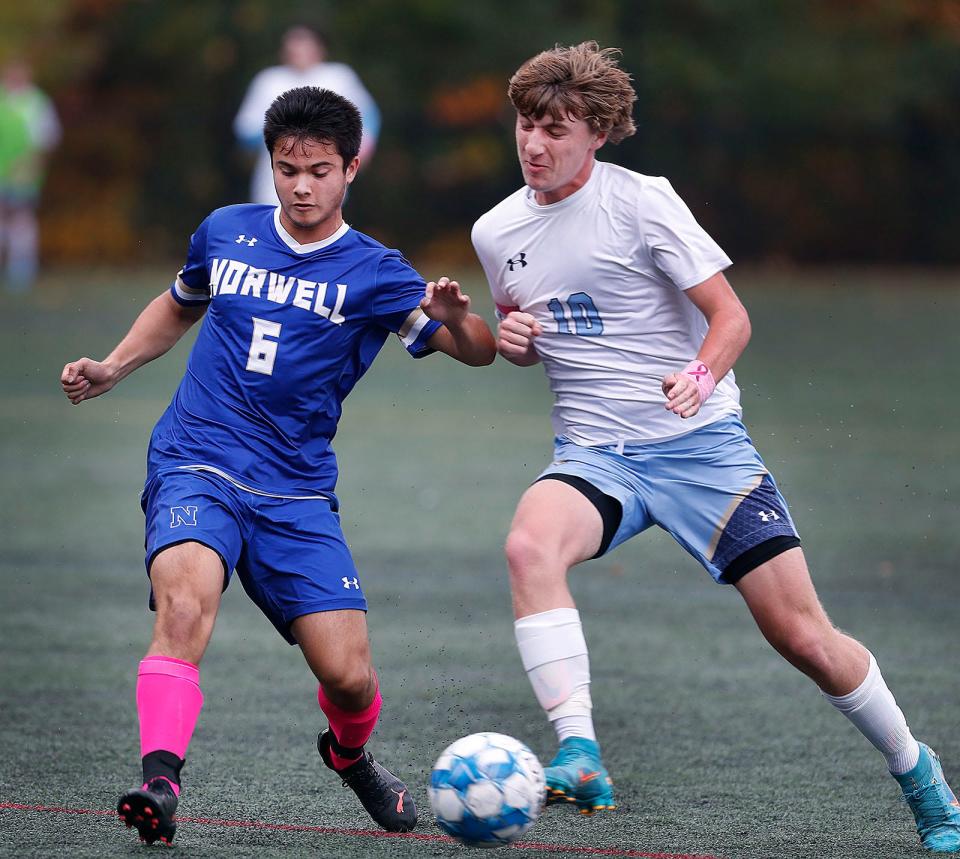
(934, 806)
(577, 775)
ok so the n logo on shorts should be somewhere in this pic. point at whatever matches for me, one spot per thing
(351, 583)
(183, 516)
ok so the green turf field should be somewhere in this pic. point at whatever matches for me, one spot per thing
(716, 746)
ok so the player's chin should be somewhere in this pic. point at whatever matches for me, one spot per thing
(306, 217)
(299, 220)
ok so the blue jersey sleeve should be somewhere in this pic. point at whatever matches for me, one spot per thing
(396, 304)
(192, 286)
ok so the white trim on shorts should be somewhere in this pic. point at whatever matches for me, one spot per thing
(250, 489)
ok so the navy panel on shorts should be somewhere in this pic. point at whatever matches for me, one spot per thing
(759, 517)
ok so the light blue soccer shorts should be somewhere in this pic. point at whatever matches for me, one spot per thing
(709, 489)
(289, 553)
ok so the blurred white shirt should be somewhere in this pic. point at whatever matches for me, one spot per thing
(271, 82)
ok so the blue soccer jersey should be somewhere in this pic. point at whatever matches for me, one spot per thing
(289, 330)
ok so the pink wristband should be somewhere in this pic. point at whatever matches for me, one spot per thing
(700, 373)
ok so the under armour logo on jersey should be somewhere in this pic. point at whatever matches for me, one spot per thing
(519, 260)
(351, 583)
(241, 239)
(183, 516)
(768, 515)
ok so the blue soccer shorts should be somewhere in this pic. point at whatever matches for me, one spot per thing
(709, 489)
(289, 553)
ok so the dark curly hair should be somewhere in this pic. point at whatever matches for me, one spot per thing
(308, 112)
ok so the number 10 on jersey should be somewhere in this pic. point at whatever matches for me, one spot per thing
(577, 315)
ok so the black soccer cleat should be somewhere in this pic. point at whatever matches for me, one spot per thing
(380, 792)
(150, 808)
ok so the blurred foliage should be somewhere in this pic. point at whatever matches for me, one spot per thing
(803, 129)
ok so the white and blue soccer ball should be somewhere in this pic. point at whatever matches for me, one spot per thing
(487, 789)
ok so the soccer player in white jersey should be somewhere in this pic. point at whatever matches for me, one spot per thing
(240, 471)
(603, 276)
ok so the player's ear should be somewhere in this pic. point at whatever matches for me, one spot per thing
(352, 168)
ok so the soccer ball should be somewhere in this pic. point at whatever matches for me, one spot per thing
(487, 789)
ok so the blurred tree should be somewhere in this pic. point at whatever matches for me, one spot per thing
(815, 131)
(804, 129)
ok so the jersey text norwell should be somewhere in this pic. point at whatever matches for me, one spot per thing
(229, 276)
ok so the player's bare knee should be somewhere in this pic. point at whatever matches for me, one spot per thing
(526, 554)
(180, 614)
(350, 686)
(805, 646)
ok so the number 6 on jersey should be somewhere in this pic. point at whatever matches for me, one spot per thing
(263, 352)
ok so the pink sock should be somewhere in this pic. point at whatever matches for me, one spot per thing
(168, 703)
(350, 729)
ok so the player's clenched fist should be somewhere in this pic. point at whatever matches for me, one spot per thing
(683, 398)
(689, 389)
(515, 337)
(85, 379)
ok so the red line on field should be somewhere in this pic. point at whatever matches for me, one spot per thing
(365, 833)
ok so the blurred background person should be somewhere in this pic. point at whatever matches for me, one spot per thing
(14, 143)
(33, 130)
(304, 63)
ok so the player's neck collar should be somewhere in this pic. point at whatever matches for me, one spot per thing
(310, 247)
(582, 193)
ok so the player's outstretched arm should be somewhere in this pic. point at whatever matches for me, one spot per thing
(515, 338)
(727, 336)
(161, 324)
(464, 335)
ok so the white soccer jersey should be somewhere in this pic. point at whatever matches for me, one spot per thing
(603, 271)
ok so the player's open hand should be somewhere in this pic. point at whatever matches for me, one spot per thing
(515, 337)
(444, 302)
(682, 393)
(85, 379)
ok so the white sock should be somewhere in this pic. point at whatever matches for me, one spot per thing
(873, 710)
(554, 655)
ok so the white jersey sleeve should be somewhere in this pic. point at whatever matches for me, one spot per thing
(492, 267)
(679, 247)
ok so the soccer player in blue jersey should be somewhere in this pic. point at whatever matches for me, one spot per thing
(240, 469)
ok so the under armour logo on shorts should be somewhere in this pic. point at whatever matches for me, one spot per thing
(351, 583)
(519, 260)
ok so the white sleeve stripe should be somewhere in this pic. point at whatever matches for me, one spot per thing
(408, 322)
(187, 293)
(411, 329)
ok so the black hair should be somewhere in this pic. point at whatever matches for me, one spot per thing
(309, 112)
